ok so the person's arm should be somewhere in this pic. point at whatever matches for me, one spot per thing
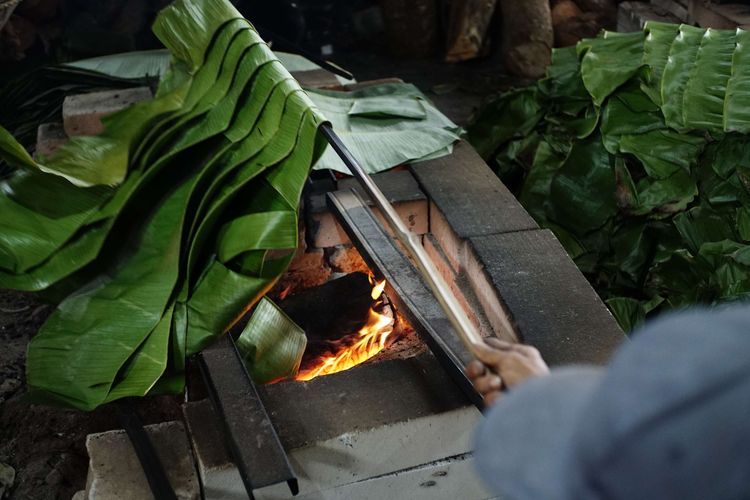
(510, 365)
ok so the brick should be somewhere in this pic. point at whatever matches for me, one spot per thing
(453, 247)
(219, 476)
(632, 16)
(459, 286)
(83, 113)
(115, 472)
(547, 299)
(470, 196)
(49, 137)
(351, 87)
(317, 79)
(399, 187)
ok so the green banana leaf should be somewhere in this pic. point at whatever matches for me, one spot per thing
(202, 224)
(384, 126)
(130, 65)
(608, 62)
(271, 344)
(644, 176)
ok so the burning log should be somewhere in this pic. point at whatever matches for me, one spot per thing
(346, 322)
(527, 36)
(332, 310)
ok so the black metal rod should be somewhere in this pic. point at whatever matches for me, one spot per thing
(252, 439)
(144, 449)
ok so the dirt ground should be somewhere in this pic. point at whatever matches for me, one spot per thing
(45, 445)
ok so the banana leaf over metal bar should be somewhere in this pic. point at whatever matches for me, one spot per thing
(411, 242)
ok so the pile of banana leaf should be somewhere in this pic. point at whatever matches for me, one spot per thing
(634, 151)
(165, 227)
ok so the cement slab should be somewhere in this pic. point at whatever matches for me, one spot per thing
(547, 299)
(115, 472)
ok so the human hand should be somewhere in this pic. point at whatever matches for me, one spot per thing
(505, 366)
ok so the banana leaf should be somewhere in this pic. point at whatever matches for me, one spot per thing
(682, 58)
(384, 126)
(202, 224)
(129, 65)
(608, 62)
(271, 344)
(736, 111)
(656, 45)
(646, 178)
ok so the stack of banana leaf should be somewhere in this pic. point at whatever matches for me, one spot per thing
(161, 230)
(635, 151)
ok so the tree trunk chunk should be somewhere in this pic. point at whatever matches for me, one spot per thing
(527, 36)
(467, 28)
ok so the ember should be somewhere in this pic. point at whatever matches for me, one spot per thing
(354, 349)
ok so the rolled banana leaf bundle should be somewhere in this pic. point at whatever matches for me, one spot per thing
(160, 231)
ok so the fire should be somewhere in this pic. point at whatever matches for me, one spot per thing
(370, 340)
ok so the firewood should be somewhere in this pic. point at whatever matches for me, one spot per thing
(563, 10)
(527, 36)
(605, 9)
(467, 28)
(572, 30)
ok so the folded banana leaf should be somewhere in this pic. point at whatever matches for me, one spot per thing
(271, 344)
(633, 151)
(159, 248)
(385, 126)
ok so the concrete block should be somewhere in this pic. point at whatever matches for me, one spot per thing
(115, 472)
(547, 299)
(366, 453)
(49, 137)
(347, 427)
(219, 476)
(452, 478)
(720, 16)
(470, 196)
(305, 413)
(631, 16)
(83, 113)
(674, 8)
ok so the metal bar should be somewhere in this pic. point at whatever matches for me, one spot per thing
(405, 287)
(411, 242)
(252, 439)
(144, 449)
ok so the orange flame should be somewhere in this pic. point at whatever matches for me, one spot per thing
(370, 340)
